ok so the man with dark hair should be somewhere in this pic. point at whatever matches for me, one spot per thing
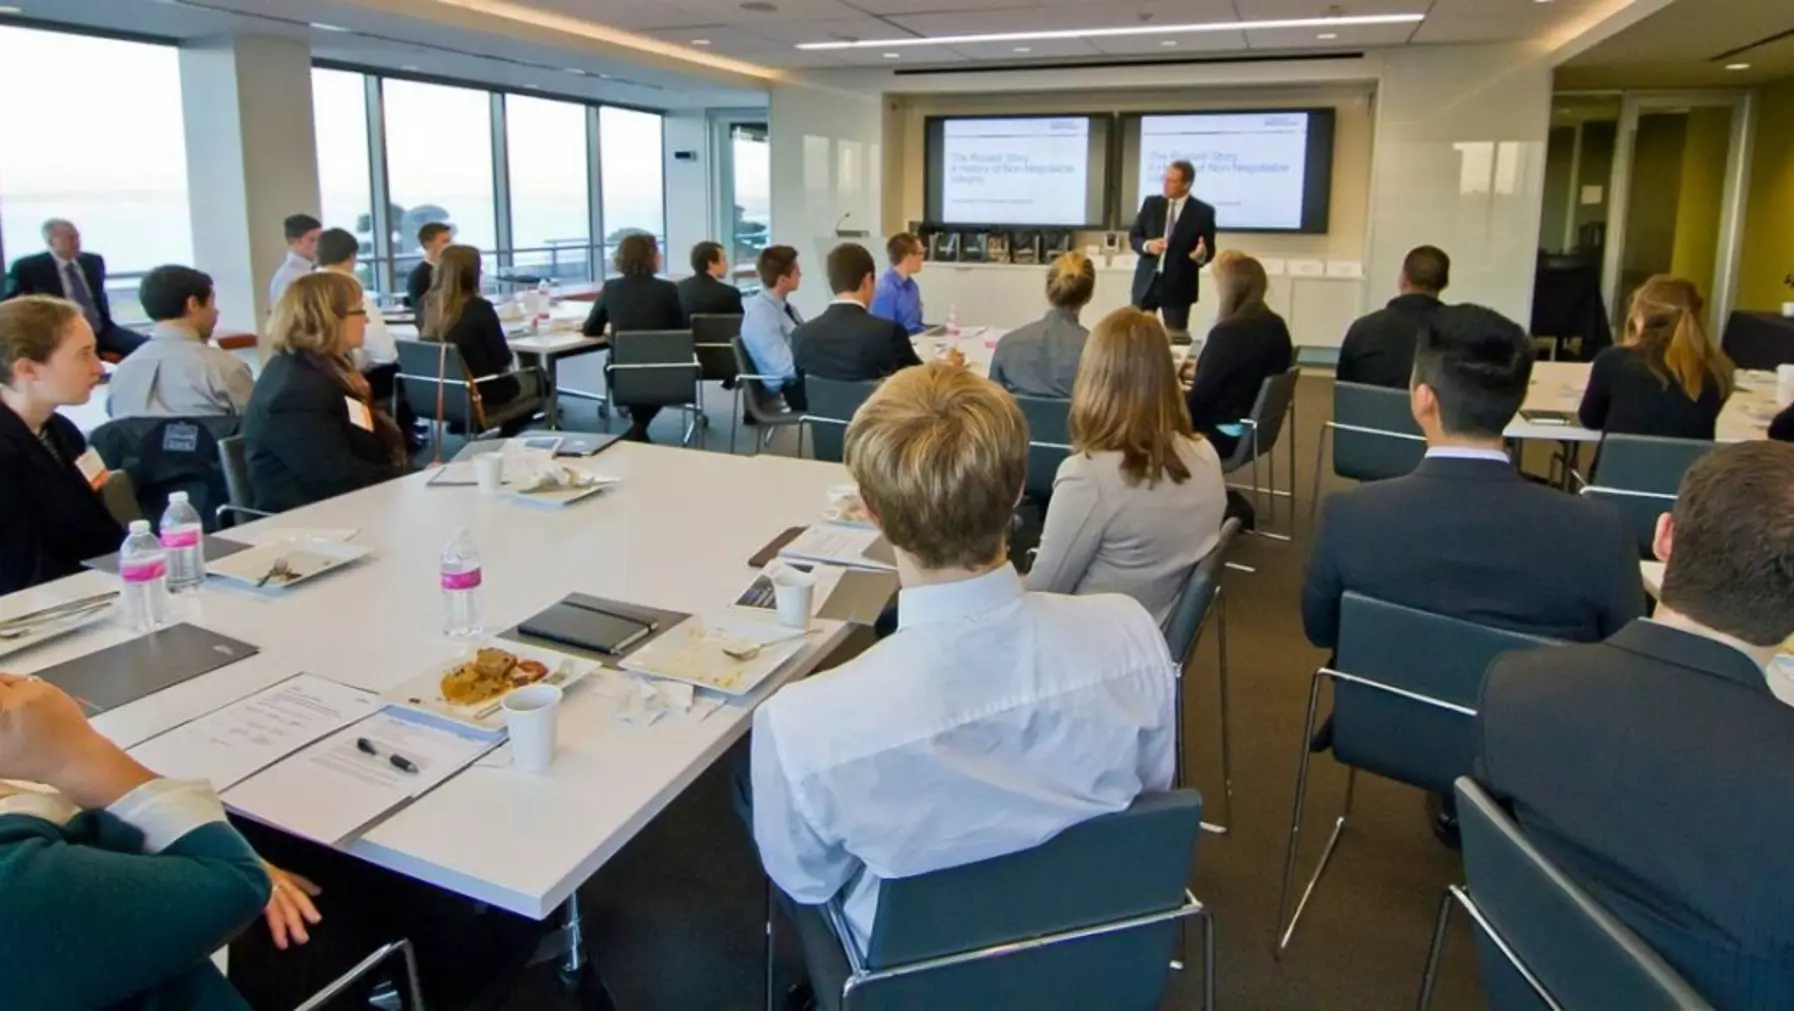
(1466, 535)
(705, 291)
(768, 322)
(1653, 768)
(898, 298)
(65, 271)
(1379, 348)
(847, 342)
(302, 231)
(177, 373)
(1174, 235)
(432, 239)
(337, 251)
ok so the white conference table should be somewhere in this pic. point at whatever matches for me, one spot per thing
(1558, 386)
(521, 842)
(559, 338)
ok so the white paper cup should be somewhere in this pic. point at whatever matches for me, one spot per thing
(794, 593)
(489, 471)
(531, 713)
(1784, 385)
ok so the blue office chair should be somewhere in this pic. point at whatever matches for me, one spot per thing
(1374, 434)
(1545, 943)
(1404, 700)
(1049, 441)
(1084, 920)
(832, 404)
(1641, 474)
(1202, 597)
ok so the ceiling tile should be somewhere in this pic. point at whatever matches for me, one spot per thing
(723, 39)
(934, 56)
(886, 7)
(1263, 10)
(1203, 42)
(729, 11)
(1310, 38)
(1037, 49)
(631, 15)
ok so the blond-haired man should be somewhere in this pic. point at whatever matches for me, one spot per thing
(993, 718)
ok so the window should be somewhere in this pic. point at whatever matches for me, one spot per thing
(750, 178)
(121, 178)
(439, 164)
(633, 177)
(340, 119)
(551, 227)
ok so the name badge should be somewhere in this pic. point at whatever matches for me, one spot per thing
(93, 469)
(359, 415)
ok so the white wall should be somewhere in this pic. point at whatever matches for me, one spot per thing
(251, 161)
(690, 217)
(826, 166)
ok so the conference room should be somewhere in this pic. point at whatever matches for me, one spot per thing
(569, 590)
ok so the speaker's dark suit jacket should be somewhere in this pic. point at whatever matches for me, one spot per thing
(1180, 283)
(1654, 769)
(1379, 348)
(1472, 539)
(847, 343)
(702, 294)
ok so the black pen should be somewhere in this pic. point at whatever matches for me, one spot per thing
(396, 760)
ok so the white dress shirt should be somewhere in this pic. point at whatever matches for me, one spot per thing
(1466, 453)
(989, 722)
(291, 269)
(377, 344)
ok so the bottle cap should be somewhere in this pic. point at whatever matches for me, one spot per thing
(177, 496)
(140, 526)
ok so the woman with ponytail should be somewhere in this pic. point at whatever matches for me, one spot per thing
(312, 430)
(1667, 377)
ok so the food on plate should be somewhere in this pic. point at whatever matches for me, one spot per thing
(492, 672)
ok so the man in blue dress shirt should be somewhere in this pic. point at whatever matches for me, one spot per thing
(898, 298)
(768, 320)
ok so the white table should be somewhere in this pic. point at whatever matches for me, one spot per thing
(559, 338)
(1558, 386)
(521, 842)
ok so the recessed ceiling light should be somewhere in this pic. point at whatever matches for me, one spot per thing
(1327, 36)
(10, 9)
(409, 66)
(1146, 29)
(575, 70)
(892, 56)
(700, 42)
(1023, 49)
(1168, 43)
(604, 77)
(322, 27)
(1737, 66)
(533, 86)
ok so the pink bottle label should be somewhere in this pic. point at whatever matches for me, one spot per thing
(144, 572)
(461, 580)
(180, 539)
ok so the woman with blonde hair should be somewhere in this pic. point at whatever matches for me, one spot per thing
(1141, 500)
(1041, 358)
(456, 313)
(312, 430)
(1667, 377)
(1247, 345)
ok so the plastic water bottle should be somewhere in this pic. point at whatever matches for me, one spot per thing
(544, 297)
(182, 535)
(461, 588)
(143, 565)
(953, 322)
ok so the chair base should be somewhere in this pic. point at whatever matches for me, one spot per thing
(1287, 929)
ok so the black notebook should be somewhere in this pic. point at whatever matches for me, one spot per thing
(116, 675)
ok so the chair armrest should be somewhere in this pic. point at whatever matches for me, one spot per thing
(227, 510)
(836, 917)
(414, 994)
(758, 377)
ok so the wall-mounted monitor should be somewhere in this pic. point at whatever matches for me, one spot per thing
(1025, 171)
(1264, 171)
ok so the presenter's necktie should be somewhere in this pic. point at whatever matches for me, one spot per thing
(77, 286)
(1171, 209)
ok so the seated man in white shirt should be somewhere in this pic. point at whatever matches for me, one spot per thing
(337, 250)
(993, 718)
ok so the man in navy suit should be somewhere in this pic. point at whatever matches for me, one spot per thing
(1174, 235)
(66, 272)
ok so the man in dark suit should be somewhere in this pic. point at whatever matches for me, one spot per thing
(1379, 348)
(66, 272)
(1174, 235)
(433, 237)
(1653, 768)
(1466, 535)
(846, 342)
(705, 291)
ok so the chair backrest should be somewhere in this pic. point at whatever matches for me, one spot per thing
(233, 456)
(1275, 395)
(1640, 474)
(166, 455)
(427, 368)
(1570, 946)
(653, 367)
(1374, 433)
(1049, 441)
(1418, 727)
(832, 403)
(1198, 593)
(760, 403)
(712, 334)
(1111, 868)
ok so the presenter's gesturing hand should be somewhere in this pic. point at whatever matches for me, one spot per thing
(1200, 253)
(1156, 247)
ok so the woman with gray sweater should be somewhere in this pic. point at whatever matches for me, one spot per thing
(1141, 499)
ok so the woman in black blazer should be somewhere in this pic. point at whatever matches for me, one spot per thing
(455, 312)
(1666, 377)
(637, 300)
(51, 515)
(1248, 344)
(312, 431)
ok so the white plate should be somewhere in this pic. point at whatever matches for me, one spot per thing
(423, 693)
(56, 628)
(307, 559)
(692, 652)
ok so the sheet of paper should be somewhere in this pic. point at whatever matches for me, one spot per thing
(228, 745)
(455, 474)
(841, 545)
(334, 789)
(279, 535)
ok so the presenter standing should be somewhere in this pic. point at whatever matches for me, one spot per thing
(1174, 235)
